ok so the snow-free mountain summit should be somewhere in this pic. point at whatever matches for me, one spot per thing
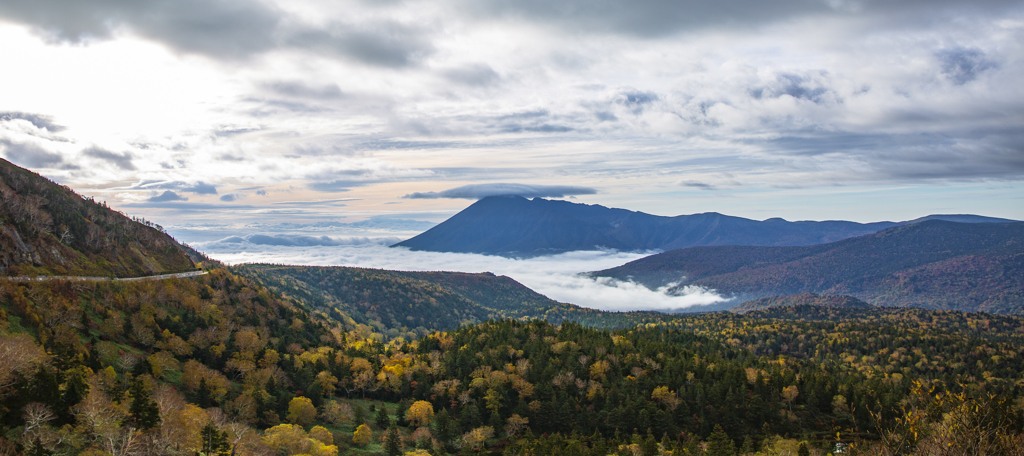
(519, 227)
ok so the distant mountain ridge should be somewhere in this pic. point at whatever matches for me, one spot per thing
(802, 299)
(933, 264)
(48, 229)
(516, 226)
(400, 302)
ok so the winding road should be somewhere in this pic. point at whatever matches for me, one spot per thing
(176, 275)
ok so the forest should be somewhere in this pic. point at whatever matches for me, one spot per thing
(221, 364)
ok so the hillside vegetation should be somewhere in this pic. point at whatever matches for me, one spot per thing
(933, 264)
(408, 305)
(802, 299)
(47, 229)
(175, 366)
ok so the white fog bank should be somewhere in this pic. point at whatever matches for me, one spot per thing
(555, 276)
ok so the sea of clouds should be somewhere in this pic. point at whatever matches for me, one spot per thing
(555, 276)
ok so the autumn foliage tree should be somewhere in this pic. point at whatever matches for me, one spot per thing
(362, 435)
(420, 413)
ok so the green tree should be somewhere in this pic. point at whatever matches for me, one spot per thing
(719, 443)
(359, 415)
(444, 428)
(143, 413)
(382, 419)
(215, 442)
(393, 442)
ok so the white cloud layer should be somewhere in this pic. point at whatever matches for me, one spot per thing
(554, 276)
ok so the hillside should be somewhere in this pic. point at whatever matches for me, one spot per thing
(180, 365)
(802, 299)
(933, 264)
(48, 229)
(516, 226)
(411, 304)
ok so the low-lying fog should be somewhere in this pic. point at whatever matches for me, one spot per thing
(555, 276)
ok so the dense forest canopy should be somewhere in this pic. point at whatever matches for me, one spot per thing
(176, 366)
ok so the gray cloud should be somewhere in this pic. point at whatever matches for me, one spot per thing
(301, 89)
(794, 85)
(32, 156)
(224, 29)
(698, 185)
(40, 121)
(167, 196)
(963, 65)
(652, 18)
(231, 197)
(122, 160)
(477, 191)
(479, 75)
(386, 44)
(220, 28)
(199, 188)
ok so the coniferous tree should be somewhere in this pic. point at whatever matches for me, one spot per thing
(393, 442)
(382, 419)
(215, 442)
(143, 413)
(719, 443)
(748, 445)
(359, 416)
(444, 428)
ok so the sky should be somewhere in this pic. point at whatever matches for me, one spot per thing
(219, 115)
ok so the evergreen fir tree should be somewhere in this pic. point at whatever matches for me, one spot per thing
(359, 416)
(143, 412)
(393, 442)
(382, 419)
(748, 445)
(719, 443)
(649, 446)
(444, 429)
(214, 442)
(203, 394)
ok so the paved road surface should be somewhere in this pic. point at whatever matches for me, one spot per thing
(179, 275)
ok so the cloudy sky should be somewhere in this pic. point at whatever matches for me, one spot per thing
(246, 116)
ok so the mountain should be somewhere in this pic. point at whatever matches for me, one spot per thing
(516, 226)
(411, 304)
(932, 264)
(802, 299)
(48, 229)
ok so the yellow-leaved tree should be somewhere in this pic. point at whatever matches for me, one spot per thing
(420, 413)
(363, 435)
(301, 411)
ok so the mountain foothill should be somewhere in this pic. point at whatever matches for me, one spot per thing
(833, 351)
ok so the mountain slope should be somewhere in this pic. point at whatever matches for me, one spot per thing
(47, 229)
(933, 264)
(802, 299)
(516, 226)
